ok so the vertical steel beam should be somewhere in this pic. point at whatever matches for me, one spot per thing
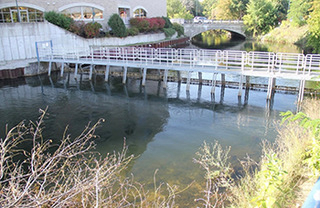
(124, 79)
(144, 77)
(106, 75)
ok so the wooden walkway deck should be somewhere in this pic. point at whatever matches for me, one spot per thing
(260, 64)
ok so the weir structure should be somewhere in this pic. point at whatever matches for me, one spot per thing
(244, 64)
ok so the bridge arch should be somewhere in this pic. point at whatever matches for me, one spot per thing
(235, 27)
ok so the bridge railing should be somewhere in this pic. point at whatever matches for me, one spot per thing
(269, 62)
(208, 21)
(312, 63)
(261, 61)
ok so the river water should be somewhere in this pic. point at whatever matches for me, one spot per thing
(163, 128)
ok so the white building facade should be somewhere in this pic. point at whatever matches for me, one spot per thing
(86, 10)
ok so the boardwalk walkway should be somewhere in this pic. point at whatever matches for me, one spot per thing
(261, 64)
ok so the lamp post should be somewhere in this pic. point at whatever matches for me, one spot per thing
(18, 10)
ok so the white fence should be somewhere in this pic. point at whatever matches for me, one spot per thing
(242, 62)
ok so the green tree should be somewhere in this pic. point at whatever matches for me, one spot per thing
(175, 9)
(238, 8)
(281, 6)
(117, 26)
(314, 27)
(223, 10)
(261, 17)
(298, 12)
(208, 8)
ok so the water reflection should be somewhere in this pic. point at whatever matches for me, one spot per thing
(164, 127)
(222, 40)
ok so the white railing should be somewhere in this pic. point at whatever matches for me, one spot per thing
(207, 21)
(189, 59)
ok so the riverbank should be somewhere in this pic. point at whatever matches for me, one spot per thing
(288, 168)
(288, 34)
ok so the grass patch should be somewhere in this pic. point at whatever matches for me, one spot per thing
(286, 33)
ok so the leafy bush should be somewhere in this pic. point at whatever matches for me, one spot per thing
(161, 22)
(141, 23)
(92, 29)
(179, 28)
(169, 32)
(58, 19)
(168, 23)
(148, 24)
(77, 27)
(133, 31)
(153, 24)
(117, 26)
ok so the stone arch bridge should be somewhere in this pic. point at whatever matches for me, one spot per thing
(233, 26)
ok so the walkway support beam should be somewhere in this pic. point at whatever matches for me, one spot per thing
(271, 87)
(106, 75)
(144, 76)
(124, 79)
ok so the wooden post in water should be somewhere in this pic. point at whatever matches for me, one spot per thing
(247, 82)
(62, 69)
(106, 75)
(200, 77)
(271, 87)
(246, 94)
(144, 77)
(223, 87)
(179, 76)
(124, 79)
(223, 80)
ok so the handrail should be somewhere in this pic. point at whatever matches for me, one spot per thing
(253, 61)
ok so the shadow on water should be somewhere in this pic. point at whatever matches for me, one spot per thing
(164, 127)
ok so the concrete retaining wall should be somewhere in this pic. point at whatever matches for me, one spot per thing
(17, 41)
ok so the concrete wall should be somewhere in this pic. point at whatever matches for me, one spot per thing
(17, 41)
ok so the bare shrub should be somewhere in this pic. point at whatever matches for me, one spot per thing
(214, 160)
(69, 174)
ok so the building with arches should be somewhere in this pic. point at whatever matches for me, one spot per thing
(86, 10)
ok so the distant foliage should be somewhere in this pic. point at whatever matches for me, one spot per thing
(176, 9)
(298, 12)
(169, 32)
(261, 17)
(117, 26)
(58, 19)
(179, 28)
(92, 29)
(314, 27)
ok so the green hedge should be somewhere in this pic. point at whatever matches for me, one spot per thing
(179, 28)
(169, 32)
(58, 19)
